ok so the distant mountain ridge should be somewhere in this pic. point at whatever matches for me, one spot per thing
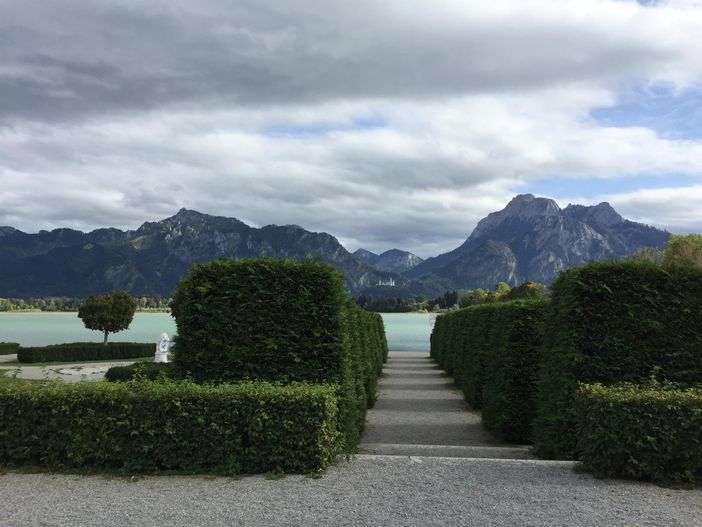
(532, 238)
(151, 259)
(392, 261)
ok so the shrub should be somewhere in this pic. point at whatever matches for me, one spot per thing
(280, 321)
(84, 351)
(146, 370)
(492, 352)
(9, 348)
(476, 341)
(651, 433)
(609, 323)
(152, 426)
(459, 343)
(511, 370)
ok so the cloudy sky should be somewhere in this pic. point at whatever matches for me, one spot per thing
(393, 123)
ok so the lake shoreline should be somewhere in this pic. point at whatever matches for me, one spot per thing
(405, 331)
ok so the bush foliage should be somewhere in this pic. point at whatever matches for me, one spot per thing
(511, 370)
(84, 351)
(153, 426)
(610, 323)
(108, 313)
(279, 321)
(651, 433)
(145, 370)
(492, 352)
(9, 348)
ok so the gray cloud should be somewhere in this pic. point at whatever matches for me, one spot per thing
(66, 60)
(404, 122)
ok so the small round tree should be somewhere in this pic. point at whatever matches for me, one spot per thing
(108, 313)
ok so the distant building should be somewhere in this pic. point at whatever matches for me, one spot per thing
(386, 283)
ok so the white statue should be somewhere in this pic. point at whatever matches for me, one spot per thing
(162, 348)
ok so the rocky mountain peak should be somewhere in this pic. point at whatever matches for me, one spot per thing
(393, 261)
(192, 220)
(522, 207)
(602, 214)
(365, 255)
(6, 231)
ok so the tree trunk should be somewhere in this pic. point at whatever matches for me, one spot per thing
(105, 341)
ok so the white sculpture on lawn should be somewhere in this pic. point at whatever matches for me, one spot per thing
(162, 348)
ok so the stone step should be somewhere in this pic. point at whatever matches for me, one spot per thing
(483, 452)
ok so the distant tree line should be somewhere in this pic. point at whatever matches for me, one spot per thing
(501, 293)
(392, 304)
(451, 299)
(65, 303)
(682, 250)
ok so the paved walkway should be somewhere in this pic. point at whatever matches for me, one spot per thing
(420, 413)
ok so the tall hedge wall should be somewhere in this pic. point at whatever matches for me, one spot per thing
(84, 351)
(459, 342)
(492, 351)
(152, 426)
(280, 321)
(613, 322)
(511, 370)
(641, 432)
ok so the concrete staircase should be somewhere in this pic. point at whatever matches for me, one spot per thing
(420, 413)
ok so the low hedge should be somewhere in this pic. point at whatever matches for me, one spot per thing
(282, 321)
(9, 348)
(651, 433)
(84, 351)
(153, 426)
(146, 370)
(614, 322)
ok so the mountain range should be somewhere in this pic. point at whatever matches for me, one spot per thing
(392, 261)
(530, 239)
(534, 239)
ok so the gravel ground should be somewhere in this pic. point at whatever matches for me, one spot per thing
(68, 372)
(369, 490)
(417, 408)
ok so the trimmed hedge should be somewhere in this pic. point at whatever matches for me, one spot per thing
(282, 321)
(153, 426)
(83, 351)
(614, 322)
(492, 351)
(650, 433)
(147, 370)
(511, 370)
(9, 348)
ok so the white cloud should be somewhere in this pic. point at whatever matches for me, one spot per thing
(676, 209)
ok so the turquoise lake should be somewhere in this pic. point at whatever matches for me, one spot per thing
(405, 331)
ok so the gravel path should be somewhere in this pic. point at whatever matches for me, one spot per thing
(69, 372)
(420, 412)
(369, 490)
